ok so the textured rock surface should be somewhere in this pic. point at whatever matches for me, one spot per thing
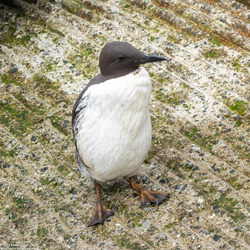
(200, 147)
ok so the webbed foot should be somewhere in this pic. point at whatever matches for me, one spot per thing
(146, 196)
(101, 212)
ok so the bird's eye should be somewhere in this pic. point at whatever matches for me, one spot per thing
(121, 59)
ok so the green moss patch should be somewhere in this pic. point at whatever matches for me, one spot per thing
(229, 205)
(235, 183)
(240, 107)
(215, 53)
(19, 120)
(194, 134)
(174, 98)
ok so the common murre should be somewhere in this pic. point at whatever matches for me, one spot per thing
(111, 122)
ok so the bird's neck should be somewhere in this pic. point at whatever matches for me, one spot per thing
(132, 91)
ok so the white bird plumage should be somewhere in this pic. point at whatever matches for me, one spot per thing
(114, 128)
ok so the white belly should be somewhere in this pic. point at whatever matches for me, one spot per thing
(115, 133)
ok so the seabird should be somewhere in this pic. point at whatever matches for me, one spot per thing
(111, 122)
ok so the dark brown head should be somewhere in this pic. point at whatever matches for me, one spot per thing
(121, 58)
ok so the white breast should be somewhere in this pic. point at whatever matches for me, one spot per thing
(114, 134)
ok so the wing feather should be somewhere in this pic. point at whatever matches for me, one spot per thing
(79, 109)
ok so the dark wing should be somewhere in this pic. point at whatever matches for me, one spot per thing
(78, 112)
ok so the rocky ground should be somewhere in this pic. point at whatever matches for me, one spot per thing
(200, 148)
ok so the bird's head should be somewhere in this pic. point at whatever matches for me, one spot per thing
(121, 58)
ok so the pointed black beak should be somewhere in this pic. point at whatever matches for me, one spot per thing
(150, 58)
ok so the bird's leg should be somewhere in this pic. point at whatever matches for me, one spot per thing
(146, 196)
(101, 212)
